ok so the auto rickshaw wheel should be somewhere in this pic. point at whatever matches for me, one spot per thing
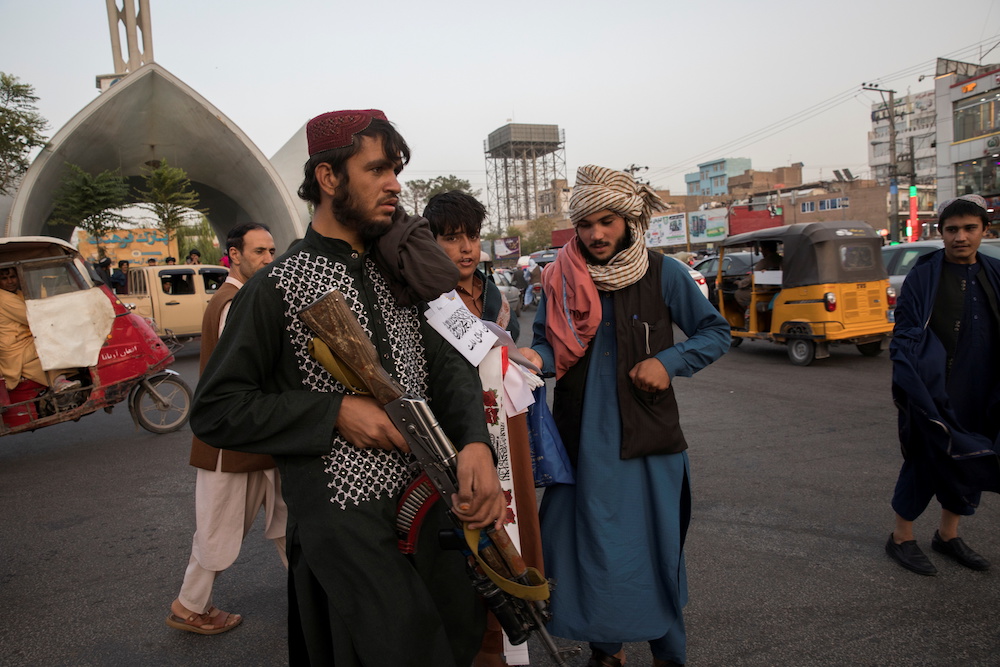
(872, 349)
(164, 409)
(801, 351)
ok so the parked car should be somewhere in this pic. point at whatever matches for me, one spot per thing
(543, 257)
(508, 290)
(695, 275)
(735, 265)
(900, 258)
(502, 279)
(173, 298)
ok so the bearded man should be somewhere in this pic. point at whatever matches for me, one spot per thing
(614, 541)
(353, 598)
(230, 487)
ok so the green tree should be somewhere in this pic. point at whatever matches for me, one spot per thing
(414, 195)
(537, 234)
(91, 203)
(21, 130)
(168, 194)
(200, 236)
(417, 193)
(448, 183)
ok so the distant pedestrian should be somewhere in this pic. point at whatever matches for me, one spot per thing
(119, 279)
(151, 261)
(170, 260)
(194, 257)
(946, 381)
(103, 268)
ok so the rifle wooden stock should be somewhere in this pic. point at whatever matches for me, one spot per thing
(335, 323)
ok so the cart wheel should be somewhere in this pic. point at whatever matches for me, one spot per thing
(165, 411)
(801, 352)
(870, 349)
(735, 341)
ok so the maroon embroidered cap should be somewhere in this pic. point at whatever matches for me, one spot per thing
(336, 129)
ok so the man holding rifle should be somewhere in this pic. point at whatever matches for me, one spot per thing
(354, 598)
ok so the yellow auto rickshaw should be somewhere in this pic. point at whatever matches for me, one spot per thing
(828, 285)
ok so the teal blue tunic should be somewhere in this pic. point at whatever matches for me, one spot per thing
(613, 542)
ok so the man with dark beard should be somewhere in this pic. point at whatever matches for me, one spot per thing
(614, 541)
(353, 598)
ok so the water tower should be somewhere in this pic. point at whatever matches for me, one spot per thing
(522, 161)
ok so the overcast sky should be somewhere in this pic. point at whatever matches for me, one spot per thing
(664, 84)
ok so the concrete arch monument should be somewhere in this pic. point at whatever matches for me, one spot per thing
(151, 115)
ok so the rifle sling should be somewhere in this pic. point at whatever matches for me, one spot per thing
(537, 590)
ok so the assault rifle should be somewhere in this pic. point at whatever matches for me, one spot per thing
(516, 594)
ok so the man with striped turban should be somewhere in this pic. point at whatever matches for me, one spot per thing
(614, 540)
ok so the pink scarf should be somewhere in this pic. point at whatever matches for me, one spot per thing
(573, 306)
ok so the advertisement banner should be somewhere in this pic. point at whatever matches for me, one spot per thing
(666, 230)
(708, 226)
(507, 248)
(136, 245)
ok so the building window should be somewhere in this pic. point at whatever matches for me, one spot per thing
(808, 207)
(977, 118)
(978, 176)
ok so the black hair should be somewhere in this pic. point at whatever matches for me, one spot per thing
(961, 207)
(194, 251)
(455, 212)
(392, 141)
(122, 261)
(236, 234)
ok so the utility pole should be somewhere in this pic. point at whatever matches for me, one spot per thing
(633, 169)
(893, 185)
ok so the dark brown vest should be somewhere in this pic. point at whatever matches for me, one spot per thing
(643, 327)
(204, 455)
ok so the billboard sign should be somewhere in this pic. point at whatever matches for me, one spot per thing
(708, 226)
(507, 248)
(666, 230)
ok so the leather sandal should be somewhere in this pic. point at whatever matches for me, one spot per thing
(212, 622)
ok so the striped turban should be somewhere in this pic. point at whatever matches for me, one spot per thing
(600, 189)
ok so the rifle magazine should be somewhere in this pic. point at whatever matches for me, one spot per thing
(416, 501)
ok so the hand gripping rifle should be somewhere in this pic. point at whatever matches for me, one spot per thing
(516, 594)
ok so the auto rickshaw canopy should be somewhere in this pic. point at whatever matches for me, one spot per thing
(815, 253)
(33, 247)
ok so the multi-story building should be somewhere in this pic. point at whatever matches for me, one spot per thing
(915, 121)
(554, 201)
(712, 178)
(752, 181)
(968, 129)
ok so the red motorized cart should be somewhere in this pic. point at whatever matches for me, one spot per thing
(83, 331)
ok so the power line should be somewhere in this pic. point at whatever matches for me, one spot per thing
(810, 112)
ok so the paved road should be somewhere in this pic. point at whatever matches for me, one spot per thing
(792, 471)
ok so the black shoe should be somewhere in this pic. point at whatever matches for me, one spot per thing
(957, 548)
(599, 658)
(909, 555)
